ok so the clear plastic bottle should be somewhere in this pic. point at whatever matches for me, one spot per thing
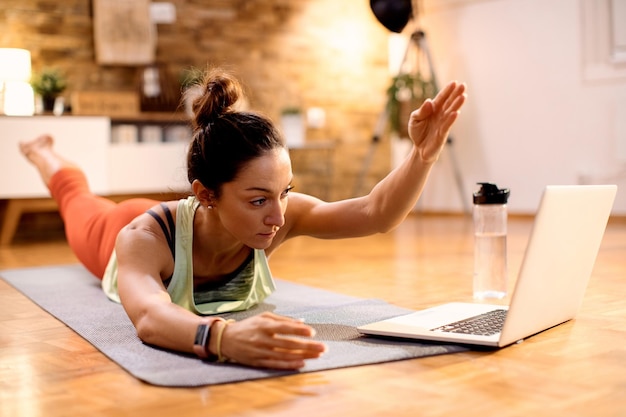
(490, 251)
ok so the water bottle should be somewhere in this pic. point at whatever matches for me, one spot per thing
(490, 219)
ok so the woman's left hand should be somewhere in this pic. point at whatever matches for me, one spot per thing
(429, 125)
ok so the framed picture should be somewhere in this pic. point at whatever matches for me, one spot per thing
(123, 32)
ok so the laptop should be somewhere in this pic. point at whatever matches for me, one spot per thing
(559, 258)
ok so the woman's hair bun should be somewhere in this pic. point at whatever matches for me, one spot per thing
(220, 93)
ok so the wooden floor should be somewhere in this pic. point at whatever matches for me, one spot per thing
(576, 369)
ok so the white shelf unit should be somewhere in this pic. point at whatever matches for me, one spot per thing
(156, 165)
(112, 169)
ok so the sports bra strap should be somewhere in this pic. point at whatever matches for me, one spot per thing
(170, 233)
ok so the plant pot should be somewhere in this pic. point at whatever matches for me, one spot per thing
(48, 103)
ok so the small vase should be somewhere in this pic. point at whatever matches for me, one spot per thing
(48, 103)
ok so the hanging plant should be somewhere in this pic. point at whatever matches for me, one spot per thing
(406, 93)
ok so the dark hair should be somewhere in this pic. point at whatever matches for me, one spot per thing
(225, 139)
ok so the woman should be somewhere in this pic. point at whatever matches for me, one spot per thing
(176, 266)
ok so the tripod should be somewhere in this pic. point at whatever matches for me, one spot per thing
(418, 38)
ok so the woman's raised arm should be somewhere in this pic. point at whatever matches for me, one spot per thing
(389, 202)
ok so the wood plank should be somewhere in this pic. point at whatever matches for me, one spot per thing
(109, 103)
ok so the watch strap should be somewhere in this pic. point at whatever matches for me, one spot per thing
(202, 338)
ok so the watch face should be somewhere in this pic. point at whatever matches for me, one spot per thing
(201, 335)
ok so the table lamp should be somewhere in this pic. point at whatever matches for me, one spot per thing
(16, 94)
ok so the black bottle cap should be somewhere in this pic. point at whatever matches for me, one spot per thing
(491, 194)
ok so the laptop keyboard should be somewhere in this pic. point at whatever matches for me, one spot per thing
(485, 324)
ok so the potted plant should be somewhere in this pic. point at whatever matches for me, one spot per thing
(406, 93)
(48, 84)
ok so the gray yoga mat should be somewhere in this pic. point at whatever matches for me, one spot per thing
(73, 295)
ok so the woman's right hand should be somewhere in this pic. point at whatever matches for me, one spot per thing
(269, 341)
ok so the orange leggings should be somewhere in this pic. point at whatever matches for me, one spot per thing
(91, 222)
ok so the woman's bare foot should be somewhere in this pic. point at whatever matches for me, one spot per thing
(43, 142)
(40, 152)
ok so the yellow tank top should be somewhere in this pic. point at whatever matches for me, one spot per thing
(251, 285)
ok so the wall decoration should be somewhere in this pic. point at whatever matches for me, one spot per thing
(123, 32)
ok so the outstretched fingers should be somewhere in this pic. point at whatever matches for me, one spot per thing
(291, 336)
(452, 111)
(446, 98)
(456, 98)
(447, 101)
(440, 99)
(288, 353)
(284, 352)
(300, 347)
(447, 104)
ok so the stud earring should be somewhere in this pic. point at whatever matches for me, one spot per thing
(210, 207)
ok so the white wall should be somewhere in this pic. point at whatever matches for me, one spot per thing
(534, 116)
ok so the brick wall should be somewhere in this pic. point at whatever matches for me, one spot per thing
(311, 53)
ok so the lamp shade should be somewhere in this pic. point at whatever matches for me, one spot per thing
(16, 93)
(14, 64)
(393, 14)
(19, 99)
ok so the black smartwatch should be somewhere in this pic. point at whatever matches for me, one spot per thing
(201, 341)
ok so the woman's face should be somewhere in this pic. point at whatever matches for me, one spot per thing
(252, 206)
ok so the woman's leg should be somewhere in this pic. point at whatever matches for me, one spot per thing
(40, 152)
(91, 222)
